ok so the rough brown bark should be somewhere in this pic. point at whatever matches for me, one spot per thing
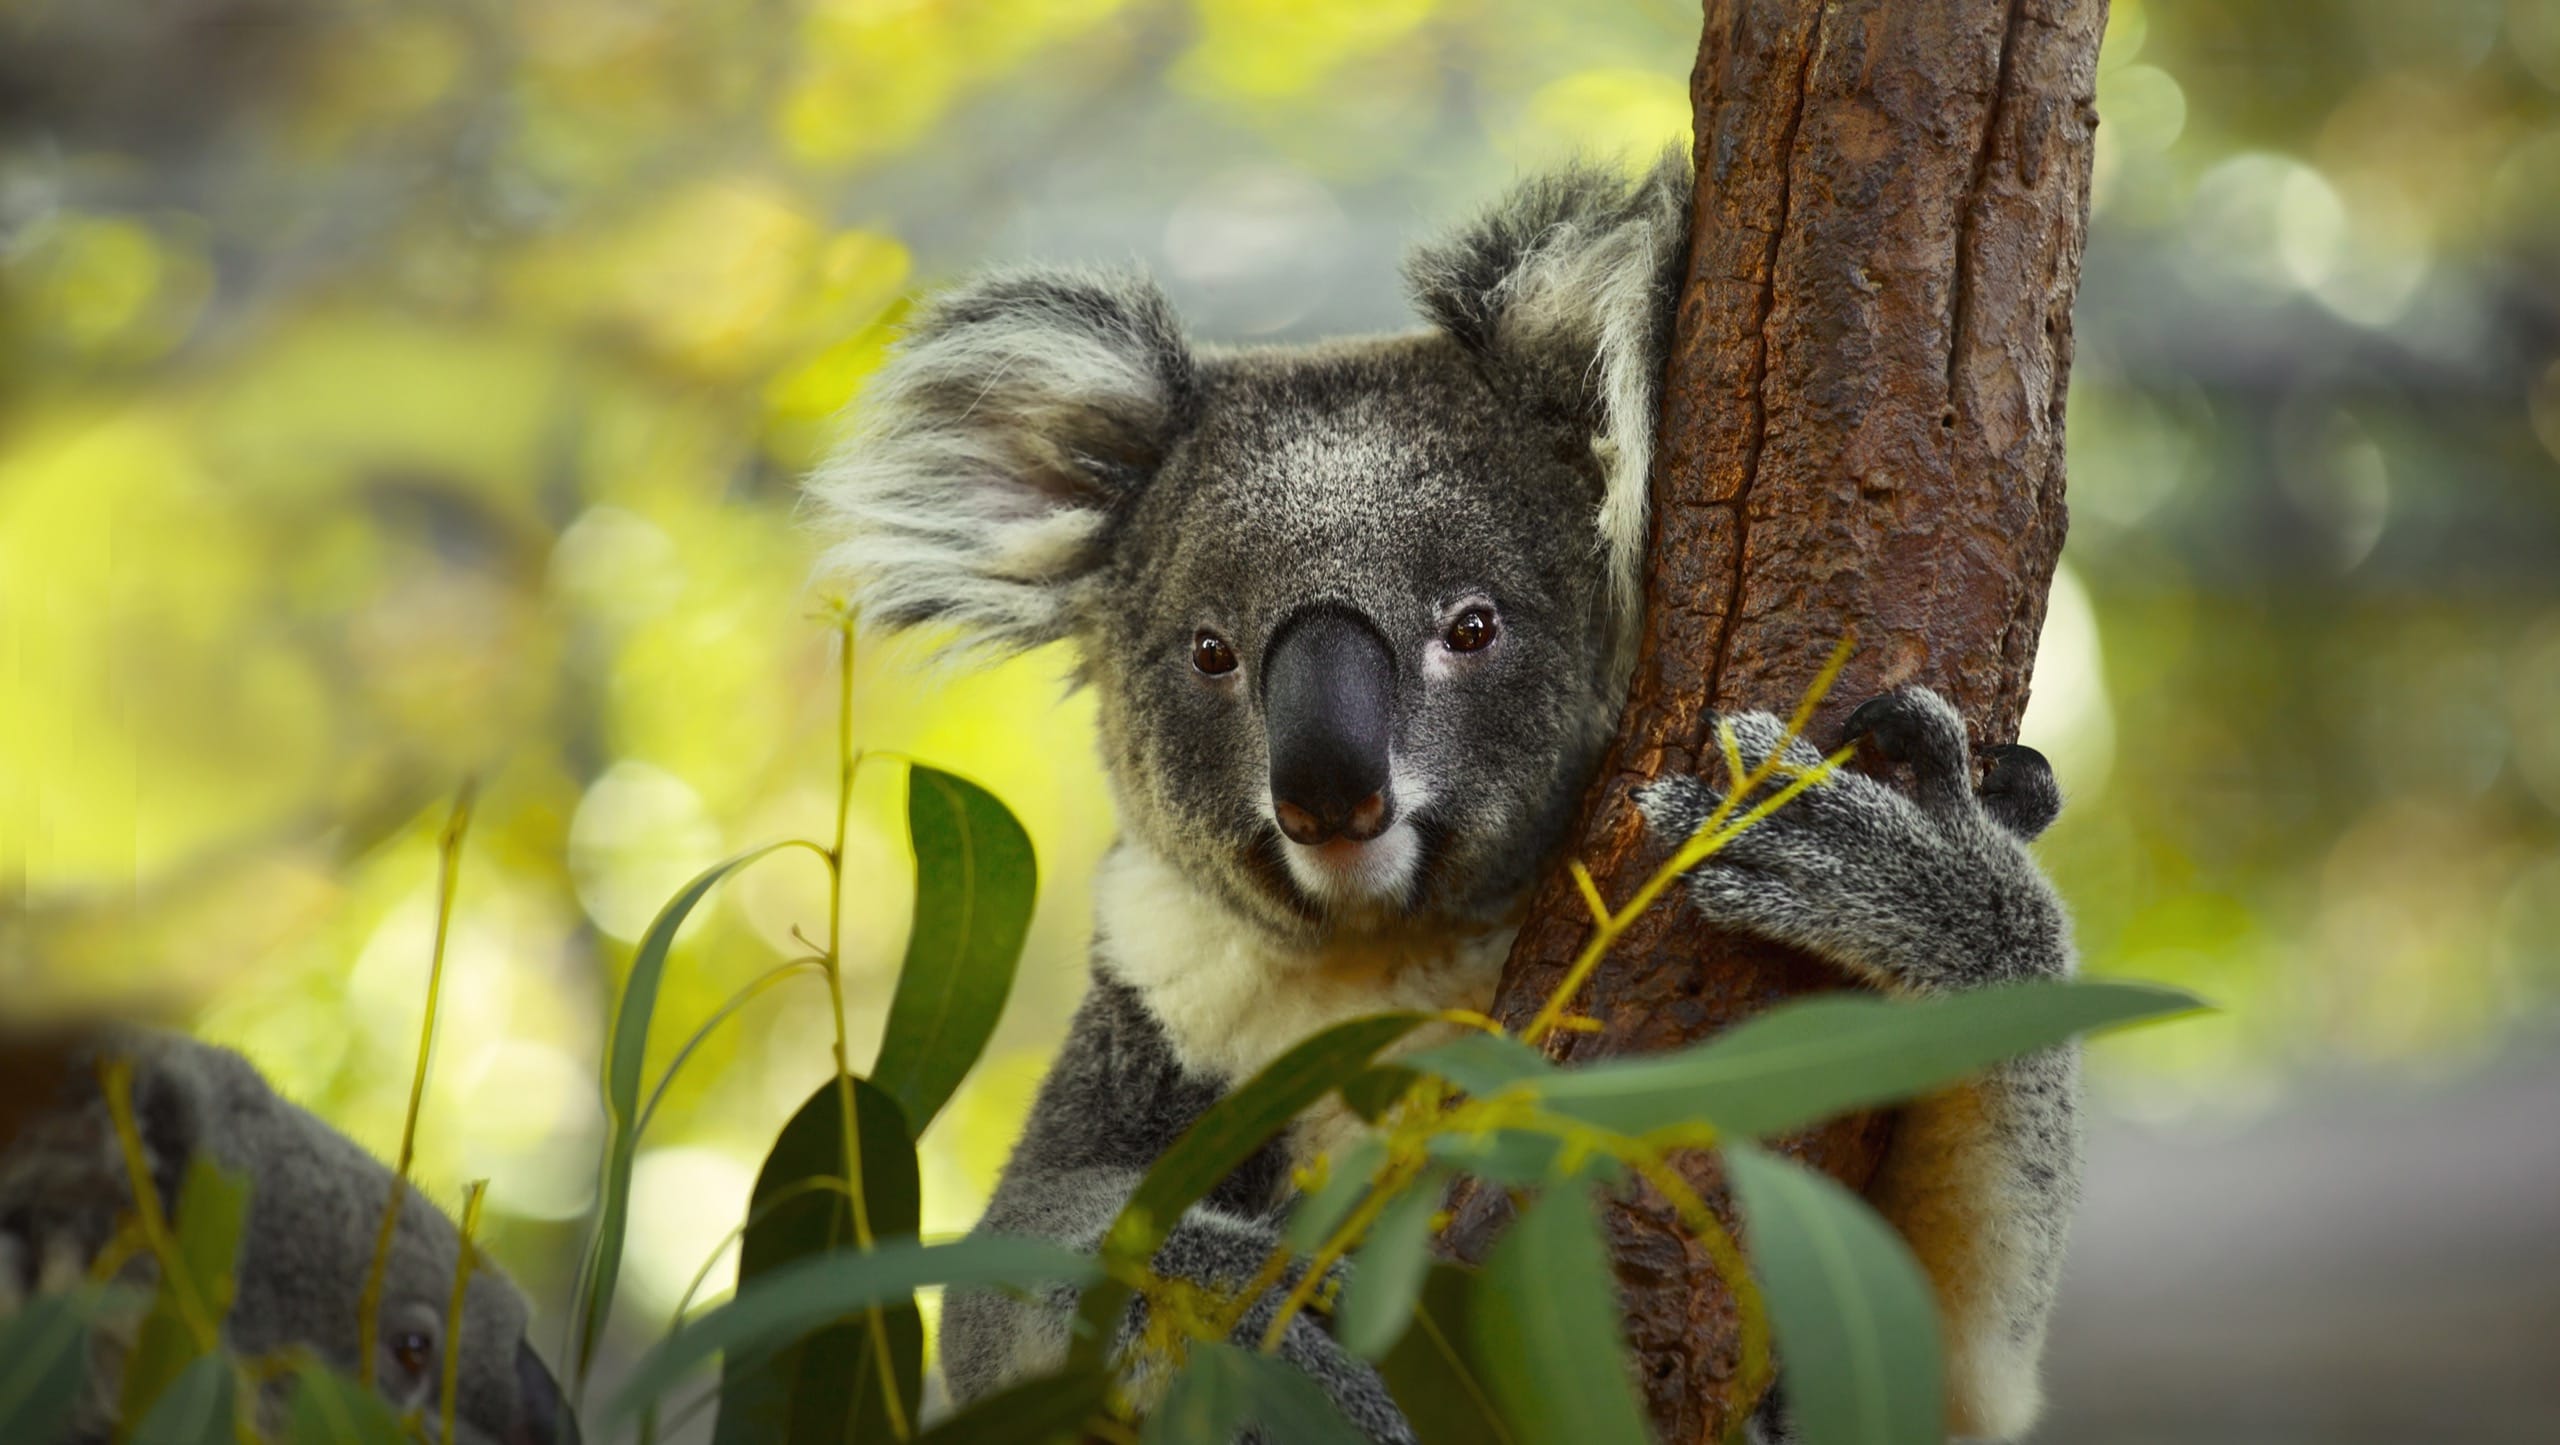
(1861, 435)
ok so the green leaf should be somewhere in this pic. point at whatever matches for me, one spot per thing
(624, 1056)
(1221, 1139)
(213, 1208)
(330, 1409)
(1546, 1329)
(827, 1388)
(1483, 1063)
(44, 1363)
(1434, 1372)
(1035, 1412)
(1518, 1157)
(1856, 1325)
(1820, 1057)
(1372, 1092)
(800, 1296)
(1315, 1216)
(195, 1409)
(1377, 1302)
(976, 880)
(1244, 1120)
(1222, 1389)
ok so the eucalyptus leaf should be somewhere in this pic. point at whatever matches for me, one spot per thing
(827, 1389)
(1435, 1373)
(1483, 1063)
(976, 881)
(625, 1055)
(1377, 1302)
(1224, 1137)
(197, 1407)
(1546, 1329)
(213, 1209)
(1315, 1215)
(807, 1293)
(1813, 1059)
(1856, 1325)
(1035, 1412)
(330, 1409)
(1518, 1158)
(1371, 1093)
(1222, 1389)
(44, 1364)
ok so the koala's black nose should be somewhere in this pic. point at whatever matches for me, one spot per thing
(542, 1417)
(1329, 690)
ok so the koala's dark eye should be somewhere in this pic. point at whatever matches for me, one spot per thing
(413, 1352)
(1211, 654)
(1472, 631)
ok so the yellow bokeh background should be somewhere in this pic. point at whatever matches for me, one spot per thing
(403, 394)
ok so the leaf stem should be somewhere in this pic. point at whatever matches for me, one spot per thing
(467, 1256)
(754, 989)
(848, 763)
(448, 873)
(115, 1077)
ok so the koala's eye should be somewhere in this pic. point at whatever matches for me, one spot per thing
(1472, 631)
(413, 1351)
(1211, 654)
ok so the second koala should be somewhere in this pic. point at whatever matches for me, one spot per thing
(1358, 619)
(316, 1202)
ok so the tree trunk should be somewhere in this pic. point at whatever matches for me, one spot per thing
(1861, 436)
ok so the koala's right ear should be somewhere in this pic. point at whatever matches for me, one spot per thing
(1019, 414)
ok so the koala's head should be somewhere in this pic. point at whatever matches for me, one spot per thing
(1357, 613)
(316, 1204)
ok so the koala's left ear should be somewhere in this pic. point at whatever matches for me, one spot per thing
(1578, 273)
(1019, 415)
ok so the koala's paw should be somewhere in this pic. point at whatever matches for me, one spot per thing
(1921, 891)
(1915, 726)
(2018, 790)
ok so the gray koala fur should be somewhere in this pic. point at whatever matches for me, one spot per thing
(315, 1205)
(1046, 458)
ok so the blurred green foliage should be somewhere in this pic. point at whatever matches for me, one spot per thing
(394, 390)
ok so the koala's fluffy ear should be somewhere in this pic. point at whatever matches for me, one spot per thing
(1578, 270)
(992, 451)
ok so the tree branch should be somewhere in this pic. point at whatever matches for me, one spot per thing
(1861, 435)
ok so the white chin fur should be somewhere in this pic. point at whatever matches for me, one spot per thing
(1357, 875)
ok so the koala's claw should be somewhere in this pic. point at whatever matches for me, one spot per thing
(2019, 791)
(1916, 726)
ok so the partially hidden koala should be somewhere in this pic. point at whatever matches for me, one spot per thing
(1358, 618)
(316, 1204)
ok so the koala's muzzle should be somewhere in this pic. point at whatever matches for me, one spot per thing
(542, 1416)
(1329, 688)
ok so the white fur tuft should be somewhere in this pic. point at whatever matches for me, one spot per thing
(988, 454)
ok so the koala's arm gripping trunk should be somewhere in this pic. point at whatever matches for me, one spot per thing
(1861, 434)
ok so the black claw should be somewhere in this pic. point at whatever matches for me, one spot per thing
(1874, 716)
(2019, 791)
(1909, 727)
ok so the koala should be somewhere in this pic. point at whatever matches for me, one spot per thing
(1358, 617)
(315, 1206)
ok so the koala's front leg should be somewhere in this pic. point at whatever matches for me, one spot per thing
(1921, 894)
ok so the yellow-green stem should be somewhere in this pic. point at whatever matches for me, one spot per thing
(848, 762)
(448, 872)
(472, 1194)
(115, 1077)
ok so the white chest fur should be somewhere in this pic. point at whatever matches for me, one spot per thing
(1231, 999)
